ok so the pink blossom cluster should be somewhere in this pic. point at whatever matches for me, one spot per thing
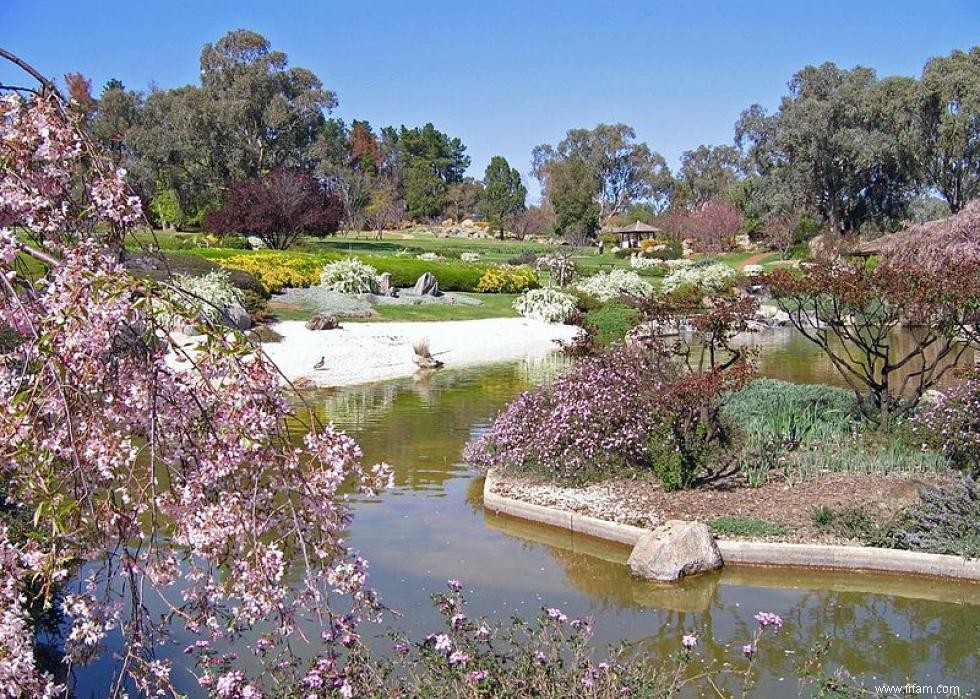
(181, 476)
(951, 423)
(599, 415)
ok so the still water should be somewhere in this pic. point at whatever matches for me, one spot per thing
(432, 527)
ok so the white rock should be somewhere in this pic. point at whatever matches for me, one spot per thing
(673, 550)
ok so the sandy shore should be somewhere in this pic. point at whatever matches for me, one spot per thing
(364, 352)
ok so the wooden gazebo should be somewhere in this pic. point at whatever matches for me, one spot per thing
(631, 235)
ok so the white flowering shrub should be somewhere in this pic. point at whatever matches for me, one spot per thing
(469, 256)
(709, 275)
(214, 292)
(640, 262)
(350, 276)
(546, 304)
(607, 286)
(429, 257)
(560, 266)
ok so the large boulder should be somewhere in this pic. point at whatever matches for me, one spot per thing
(385, 287)
(673, 550)
(322, 321)
(426, 285)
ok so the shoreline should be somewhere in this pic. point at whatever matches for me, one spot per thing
(358, 353)
(744, 552)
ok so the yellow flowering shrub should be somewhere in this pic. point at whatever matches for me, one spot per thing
(506, 279)
(278, 270)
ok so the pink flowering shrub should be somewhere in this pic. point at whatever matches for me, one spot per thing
(598, 417)
(171, 476)
(951, 424)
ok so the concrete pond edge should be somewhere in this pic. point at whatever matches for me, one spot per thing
(749, 553)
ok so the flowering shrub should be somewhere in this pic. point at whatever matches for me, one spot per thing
(506, 279)
(429, 257)
(951, 424)
(607, 286)
(469, 256)
(350, 276)
(598, 417)
(560, 266)
(278, 270)
(548, 304)
(214, 291)
(708, 275)
(639, 262)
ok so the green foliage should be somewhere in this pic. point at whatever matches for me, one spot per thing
(349, 276)
(166, 206)
(503, 193)
(452, 275)
(790, 411)
(212, 293)
(747, 527)
(611, 321)
(571, 189)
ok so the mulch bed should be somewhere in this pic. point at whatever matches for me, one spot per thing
(644, 503)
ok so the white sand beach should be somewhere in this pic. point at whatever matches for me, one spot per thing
(363, 352)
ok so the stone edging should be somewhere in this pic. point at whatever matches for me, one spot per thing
(758, 553)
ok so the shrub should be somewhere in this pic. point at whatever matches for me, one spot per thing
(350, 276)
(279, 270)
(607, 286)
(709, 275)
(526, 257)
(452, 275)
(429, 257)
(278, 207)
(559, 266)
(507, 280)
(611, 322)
(597, 418)
(213, 292)
(951, 424)
(790, 411)
(747, 526)
(469, 256)
(549, 305)
(639, 262)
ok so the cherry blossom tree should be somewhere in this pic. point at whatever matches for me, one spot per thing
(156, 475)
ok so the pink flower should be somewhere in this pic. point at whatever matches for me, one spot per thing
(458, 657)
(556, 614)
(476, 676)
(690, 641)
(769, 619)
(455, 585)
(442, 643)
(748, 650)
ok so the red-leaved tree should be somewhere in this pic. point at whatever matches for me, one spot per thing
(278, 208)
(711, 227)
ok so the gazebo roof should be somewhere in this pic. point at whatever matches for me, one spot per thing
(638, 227)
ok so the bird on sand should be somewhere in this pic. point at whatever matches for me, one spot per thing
(321, 365)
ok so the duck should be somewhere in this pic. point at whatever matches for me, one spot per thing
(321, 365)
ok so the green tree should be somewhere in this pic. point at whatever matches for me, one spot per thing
(621, 170)
(949, 126)
(706, 173)
(430, 161)
(116, 113)
(571, 187)
(503, 193)
(840, 141)
(166, 207)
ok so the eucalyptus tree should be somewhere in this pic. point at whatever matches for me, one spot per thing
(608, 157)
(948, 137)
(840, 142)
(706, 173)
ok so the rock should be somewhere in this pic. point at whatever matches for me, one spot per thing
(772, 315)
(255, 242)
(673, 550)
(467, 223)
(322, 321)
(385, 287)
(753, 270)
(426, 285)
(237, 317)
(895, 497)
(743, 241)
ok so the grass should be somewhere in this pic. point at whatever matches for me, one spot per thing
(747, 526)
(491, 306)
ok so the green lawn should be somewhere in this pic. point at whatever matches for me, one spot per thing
(491, 306)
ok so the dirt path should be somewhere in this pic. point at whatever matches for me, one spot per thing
(754, 260)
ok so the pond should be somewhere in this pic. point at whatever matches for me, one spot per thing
(432, 527)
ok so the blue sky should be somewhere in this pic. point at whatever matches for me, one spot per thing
(506, 76)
